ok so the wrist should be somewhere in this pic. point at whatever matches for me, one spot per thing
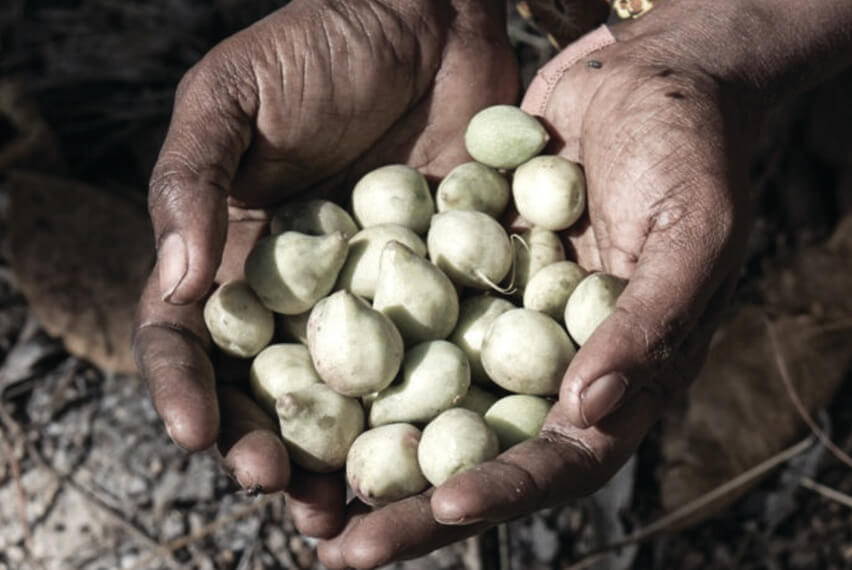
(748, 45)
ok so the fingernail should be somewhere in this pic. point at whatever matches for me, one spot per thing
(172, 263)
(602, 397)
(169, 432)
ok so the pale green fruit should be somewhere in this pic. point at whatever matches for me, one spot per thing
(382, 464)
(478, 400)
(361, 270)
(517, 418)
(526, 352)
(473, 186)
(318, 426)
(294, 327)
(504, 136)
(238, 322)
(435, 377)
(290, 272)
(454, 442)
(356, 350)
(470, 247)
(591, 303)
(475, 316)
(313, 217)
(539, 249)
(550, 192)
(394, 194)
(420, 300)
(549, 289)
(280, 368)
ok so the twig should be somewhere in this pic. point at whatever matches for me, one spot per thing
(248, 554)
(472, 555)
(691, 507)
(20, 495)
(826, 491)
(781, 363)
(205, 531)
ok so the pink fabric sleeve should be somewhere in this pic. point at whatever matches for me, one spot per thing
(539, 92)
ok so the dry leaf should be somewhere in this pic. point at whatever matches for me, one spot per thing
(739, 412)
(81, 256)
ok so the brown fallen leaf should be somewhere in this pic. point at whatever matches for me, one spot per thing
(739, 411)
(81, 256)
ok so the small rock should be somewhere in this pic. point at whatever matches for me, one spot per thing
(173, 526)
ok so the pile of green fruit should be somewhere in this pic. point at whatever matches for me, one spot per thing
(430, 356)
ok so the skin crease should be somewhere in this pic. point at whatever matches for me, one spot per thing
(663, 136)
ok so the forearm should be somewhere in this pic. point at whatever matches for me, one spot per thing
(769, 48)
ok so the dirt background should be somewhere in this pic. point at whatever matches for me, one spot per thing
(89, 480)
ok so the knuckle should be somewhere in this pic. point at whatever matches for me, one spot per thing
(156, 346)
(178, 171)
(580, 455)
(368, 552)
(659, 338)
(224, 77)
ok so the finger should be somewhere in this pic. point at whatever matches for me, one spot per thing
(170, 344)
(249, 443)
(209, 131)
(541, 473)
(402, 530)
(317, 502)
(566, 462)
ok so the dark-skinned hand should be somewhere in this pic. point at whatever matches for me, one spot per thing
(301, 103)
(663, 145)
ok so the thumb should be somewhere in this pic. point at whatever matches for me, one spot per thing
(209, 131)
(662, 321)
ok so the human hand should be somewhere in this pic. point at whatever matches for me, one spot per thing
(304, 101)
(664, 147)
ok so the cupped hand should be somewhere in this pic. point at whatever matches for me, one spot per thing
(301, 103)
(664, 146)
